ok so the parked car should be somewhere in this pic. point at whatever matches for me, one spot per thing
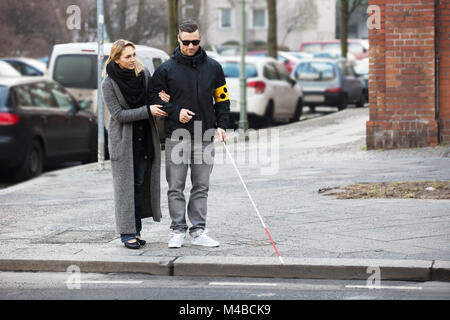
(288, 59)
(333, 55)
(74, 65)
(358, 47)
(212, 54)
(327, 82)
(27, 66)
(362, 70)
(7, 71)
(40, 124)
(271, 93)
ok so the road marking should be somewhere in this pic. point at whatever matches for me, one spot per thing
(105, 282)
(383, 287)
(243, 284)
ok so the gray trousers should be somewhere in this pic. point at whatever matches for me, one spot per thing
(180, 156)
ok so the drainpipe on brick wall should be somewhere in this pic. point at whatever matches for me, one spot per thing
(436, 52)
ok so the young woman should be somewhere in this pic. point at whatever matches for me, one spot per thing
(134, 144)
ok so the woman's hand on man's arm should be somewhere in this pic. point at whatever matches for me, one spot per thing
(156, 111)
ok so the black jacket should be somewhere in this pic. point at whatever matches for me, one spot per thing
(196, 83)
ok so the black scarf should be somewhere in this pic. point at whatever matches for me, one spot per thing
(198, 58)
(131, 86)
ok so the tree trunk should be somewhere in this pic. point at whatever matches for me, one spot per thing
(112, 36)
(123, 19)
(173, 24)
(344, 27)
(139, 22)
(272, 32)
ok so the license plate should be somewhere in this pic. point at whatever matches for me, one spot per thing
(314, 98)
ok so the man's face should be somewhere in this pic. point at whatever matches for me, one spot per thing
(190, 49)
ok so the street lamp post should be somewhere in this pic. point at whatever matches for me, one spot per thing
(101, 135)
(243, 121)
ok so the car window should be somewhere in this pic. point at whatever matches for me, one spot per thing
(270, 72)
(62, 97)
(25, 69)
(315, 71)
(76, 71)
(282, 72)
(23, 96)
(41, 95)
(30, 71)
(3, 94)
(233, 70)
(18, 66)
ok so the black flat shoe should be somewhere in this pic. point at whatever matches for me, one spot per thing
(132, 245)
(141, 242)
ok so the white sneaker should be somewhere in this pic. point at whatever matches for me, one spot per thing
(176, 239)
(203, 240)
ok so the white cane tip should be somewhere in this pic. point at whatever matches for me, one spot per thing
(281, 259)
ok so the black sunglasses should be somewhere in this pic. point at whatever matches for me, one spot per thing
(187, 42)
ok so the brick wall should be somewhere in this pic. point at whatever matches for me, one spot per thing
(402, 83)
(444, 70)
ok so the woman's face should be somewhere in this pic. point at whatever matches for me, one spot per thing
(127, 59)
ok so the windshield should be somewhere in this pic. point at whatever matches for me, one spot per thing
(233, 70)
(77, 71)
(315, 71)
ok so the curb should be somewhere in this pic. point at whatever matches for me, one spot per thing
(218, 266)
(149, 265)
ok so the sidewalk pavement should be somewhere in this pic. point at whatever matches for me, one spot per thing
(66, 217)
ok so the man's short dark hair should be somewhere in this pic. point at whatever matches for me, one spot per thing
(188, 26)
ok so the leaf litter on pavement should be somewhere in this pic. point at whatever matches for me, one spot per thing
(394, 190)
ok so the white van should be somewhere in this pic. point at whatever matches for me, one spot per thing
(74, 66)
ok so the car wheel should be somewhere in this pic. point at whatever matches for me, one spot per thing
(93, 151)
(344, 103)
(33, 163)
(268, 115)
(298, 111)
(362, 100)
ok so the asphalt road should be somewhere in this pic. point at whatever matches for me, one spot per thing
(91, 286)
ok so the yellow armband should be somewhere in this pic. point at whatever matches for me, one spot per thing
(221, 94)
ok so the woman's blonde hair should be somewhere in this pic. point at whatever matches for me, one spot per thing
(116, 52)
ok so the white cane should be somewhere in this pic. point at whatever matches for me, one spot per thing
(253, 203)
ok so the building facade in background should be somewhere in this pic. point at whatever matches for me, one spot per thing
(298, 20)
(409, 82)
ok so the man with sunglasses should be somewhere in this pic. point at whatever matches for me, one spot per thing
(199, 104)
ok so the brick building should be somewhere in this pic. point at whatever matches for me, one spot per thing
(409, 83)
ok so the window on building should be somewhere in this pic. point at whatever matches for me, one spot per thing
(259, 20)
(225, 18)
(188, 10)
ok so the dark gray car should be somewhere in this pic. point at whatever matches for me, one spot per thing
(40, 124)
(328, 82)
